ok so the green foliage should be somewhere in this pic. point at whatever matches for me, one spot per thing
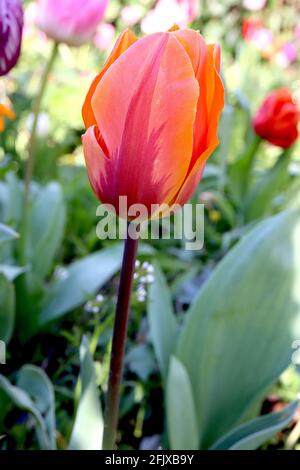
(251, 435)
(33, 393)
(7, 308)
(241, 328)
(88, 426)
(162, 322)
(82, 279)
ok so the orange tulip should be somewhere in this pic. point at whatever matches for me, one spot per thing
(151, 117)
(5, 112)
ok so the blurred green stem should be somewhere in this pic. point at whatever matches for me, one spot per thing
(118, 344)
(36, 111)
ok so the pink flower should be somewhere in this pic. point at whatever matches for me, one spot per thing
(73, 22)
(254, 5)
(104, 36)
(131, 14)
(254, 31)
(263, 38)
(168, 12)
(287, 55)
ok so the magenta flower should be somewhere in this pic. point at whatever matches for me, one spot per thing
(73, 22)
(287, 55)
(11, 26)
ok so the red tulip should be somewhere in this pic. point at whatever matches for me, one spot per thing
(277, 119)
(151, 117)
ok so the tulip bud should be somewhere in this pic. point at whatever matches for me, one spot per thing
(151, 117)
(11, 26)
(277, 119)
(73, 22)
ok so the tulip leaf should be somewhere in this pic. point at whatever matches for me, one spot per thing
(239, 171)
(88, 426)
(7, 309)
(162, 322)
(46, 228)
(22, 400)
(81, 279)
(11, 272)
(259, 200)
(251, 435)
(34, 381)
(182, 417)
(7, 233)
(238, 334)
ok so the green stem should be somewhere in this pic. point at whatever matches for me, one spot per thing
(118, 344)
(36, 111)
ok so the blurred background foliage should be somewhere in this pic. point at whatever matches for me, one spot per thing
(59, 298)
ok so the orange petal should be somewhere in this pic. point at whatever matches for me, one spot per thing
(124, 41)
(175, 27)
(194, 176)
(148, 129)
(206, 64)
(215, 100)
(95, 159)
(6, 111)
(215, 103)
(196, 49)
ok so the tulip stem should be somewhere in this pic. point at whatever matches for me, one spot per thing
(118, 343)
(29, 169)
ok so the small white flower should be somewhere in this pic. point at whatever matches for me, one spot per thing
(99, 298)
(61, 273)
(150, 269)
(149, 278)
(141, 294)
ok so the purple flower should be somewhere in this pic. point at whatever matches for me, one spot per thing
(11, 26)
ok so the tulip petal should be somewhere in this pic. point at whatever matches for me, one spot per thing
(125, 40)
(194, 176)
(149, 129)
(206, 64)
(95, 158)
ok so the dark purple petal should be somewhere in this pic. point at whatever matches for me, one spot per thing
(11, 25)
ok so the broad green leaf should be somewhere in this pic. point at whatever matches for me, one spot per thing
(88, 426)
(82, 278)
(251, 435)
(238, 333)
(259, 200)
(37, 385)
(7, 308)
(23, 401)
(46, 228)
(7, 233)
(162, 321)
(182, 417)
